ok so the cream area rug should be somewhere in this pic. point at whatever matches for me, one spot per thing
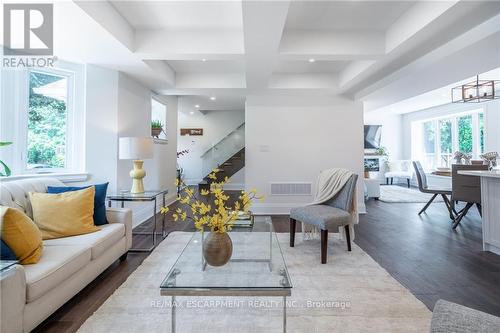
(393, 193)
(351, 293)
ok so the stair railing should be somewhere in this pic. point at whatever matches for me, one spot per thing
(220, 152)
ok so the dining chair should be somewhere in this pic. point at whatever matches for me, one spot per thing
(466, 189)
(435, 191)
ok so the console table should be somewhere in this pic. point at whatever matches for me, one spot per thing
(150, 196)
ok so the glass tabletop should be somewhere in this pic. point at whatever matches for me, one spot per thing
(126, 195)
(257, 263)
(6, 264)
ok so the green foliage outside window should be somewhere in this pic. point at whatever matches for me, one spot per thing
(481, 132)
(445, 132)
(465, 134)
(429, 137)
(46, 125)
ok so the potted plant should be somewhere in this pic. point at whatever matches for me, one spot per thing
(382, 151)
(6, 170)
(210, 209)
(156, 128)
(367, 172)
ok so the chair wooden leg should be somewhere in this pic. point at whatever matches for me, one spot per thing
(428, 204)
(293, 224)
(479, 209)
(408, 181)
(348, 237)
(448, 205)
(387, 181)
(324, 245)
(460, 216)
(392, 181)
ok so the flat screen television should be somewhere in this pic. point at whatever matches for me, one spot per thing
(372, 136)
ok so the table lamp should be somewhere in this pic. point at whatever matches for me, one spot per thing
(136, 148)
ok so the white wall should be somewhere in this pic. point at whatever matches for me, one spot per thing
(392, 135)
(216, 125)
(101, 140)
(119, 106)
(291, 139)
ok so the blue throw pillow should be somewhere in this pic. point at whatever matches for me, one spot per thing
(6, 253)
(99, 199)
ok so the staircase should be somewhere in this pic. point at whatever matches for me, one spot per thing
(228, 155)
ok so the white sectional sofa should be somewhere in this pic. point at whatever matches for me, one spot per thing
(31, 293)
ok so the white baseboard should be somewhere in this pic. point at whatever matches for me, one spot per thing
(284, 208)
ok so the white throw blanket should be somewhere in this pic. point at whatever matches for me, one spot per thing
(329, 183)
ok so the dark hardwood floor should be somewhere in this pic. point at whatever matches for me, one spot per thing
(423, 253)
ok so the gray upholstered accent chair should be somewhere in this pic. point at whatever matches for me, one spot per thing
(453, 318)
(424, 188)
(331, 215)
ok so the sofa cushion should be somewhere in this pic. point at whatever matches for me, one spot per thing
(21, 235)
(5, 252)
(99, 199)
(56, 265)
(398, 174)
(65, 214)
(322, 216)
(98, 241)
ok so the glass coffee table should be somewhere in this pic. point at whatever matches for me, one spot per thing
(257, 268)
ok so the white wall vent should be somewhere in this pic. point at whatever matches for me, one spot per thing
(291, 188)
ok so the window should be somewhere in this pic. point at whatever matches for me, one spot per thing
(43, 115)
(434, 141)
(465, 134)
(158, 120)
(445, 141)
(47, 121)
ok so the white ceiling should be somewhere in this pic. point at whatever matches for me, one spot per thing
(318, 66)
(207, 66)
(223, 102)
(263, 47)
(434, 97)
(175, 15)
(345, 15)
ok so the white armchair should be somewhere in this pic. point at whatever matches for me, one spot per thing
(399, 169)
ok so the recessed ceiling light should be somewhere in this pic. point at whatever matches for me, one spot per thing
(203, 59)
(312, 60)
(192, 112)
(196, 106)
(213, 98)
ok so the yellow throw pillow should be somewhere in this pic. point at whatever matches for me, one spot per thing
(21, 235)
(65, 214)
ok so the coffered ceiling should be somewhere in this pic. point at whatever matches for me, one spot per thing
(239, 48)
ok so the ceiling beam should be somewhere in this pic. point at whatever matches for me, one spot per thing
(106, 16)
(422, 37)
(189, 44)
(332, 45)
(303, 81)
(263, 24)
(209, 80)
(161, 70)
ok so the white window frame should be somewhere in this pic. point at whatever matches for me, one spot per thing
(164, 120)
(15, 113)
(476, 141)
(70, 110)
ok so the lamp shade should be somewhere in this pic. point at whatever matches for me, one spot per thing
(135, 148)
